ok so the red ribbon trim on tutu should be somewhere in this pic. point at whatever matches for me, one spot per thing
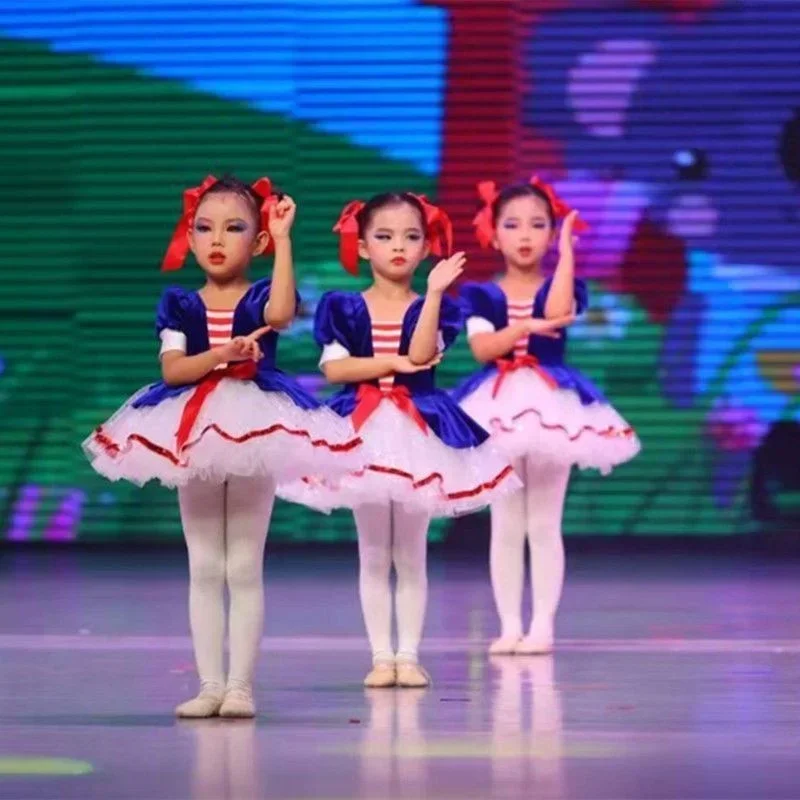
(421, 483)
(607, 433)
(106, 442)
(243, 371)
(436, 476)
(505, 366)
(369, 397)
(115, 450)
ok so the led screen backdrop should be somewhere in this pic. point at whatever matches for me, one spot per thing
(672, 125)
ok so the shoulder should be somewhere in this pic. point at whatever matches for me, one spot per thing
(451, 308)
(482, 293)
(337, 314)
(175, 301)
(258, 291)
(485, 299)
(174, 295)
(337, 302)
(261, 285)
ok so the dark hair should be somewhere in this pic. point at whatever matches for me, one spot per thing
(387, 200)
(230, 184)
(516, 190)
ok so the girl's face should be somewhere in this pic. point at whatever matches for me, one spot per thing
(394, 242)
(225, 235)
(524, 232)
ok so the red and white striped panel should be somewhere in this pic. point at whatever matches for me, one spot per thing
(220, 327)
(517, 312)
(386, 342)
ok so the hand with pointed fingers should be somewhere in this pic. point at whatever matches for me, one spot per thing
(244, 348)
(445, 272)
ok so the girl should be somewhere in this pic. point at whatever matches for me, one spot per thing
(544, 414)
(423, 456)
(224, 423)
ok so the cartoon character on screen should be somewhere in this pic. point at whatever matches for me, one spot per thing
(543, 414)
(224, 424)
(423, 456)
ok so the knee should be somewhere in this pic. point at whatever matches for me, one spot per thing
(244, 574)
(542, 533)
(206, 570)
(509, 538)
(411, 567)
(375, 562)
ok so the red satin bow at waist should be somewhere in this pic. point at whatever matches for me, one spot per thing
(369, 398)
(243, 371)
(508, 365)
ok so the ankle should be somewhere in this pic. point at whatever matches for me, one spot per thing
(382, 657)
(239, 685)
(543, 623)
(511, 629)
(407, 656)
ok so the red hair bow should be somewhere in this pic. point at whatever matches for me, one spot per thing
(483, 222)
(263, 188)
(560, 207)
(488, 193)
(347, 228)
(178, 247)
(437, 223)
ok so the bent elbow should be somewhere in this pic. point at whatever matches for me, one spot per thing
(279, 322)
(330, 372)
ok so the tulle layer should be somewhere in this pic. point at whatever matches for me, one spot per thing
(241, 430)
(403, 464)
(530, 417)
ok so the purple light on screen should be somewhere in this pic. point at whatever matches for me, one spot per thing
(63, 525)
(23, 514)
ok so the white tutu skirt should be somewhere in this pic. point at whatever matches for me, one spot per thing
(241, 430)
(405, 465)
(530, 418)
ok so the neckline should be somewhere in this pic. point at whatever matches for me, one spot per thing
(402, 321)
(222, 310)
(517, 301)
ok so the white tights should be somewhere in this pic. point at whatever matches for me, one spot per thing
(225, 526)
(535, 510)
(392, 534)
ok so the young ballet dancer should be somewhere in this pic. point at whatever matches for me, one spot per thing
(423, 456)
(224, 424)
(544, 414)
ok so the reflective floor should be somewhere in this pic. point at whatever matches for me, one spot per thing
(674, 678)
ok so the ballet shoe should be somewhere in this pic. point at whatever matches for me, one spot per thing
(383, 675)
(411, 675)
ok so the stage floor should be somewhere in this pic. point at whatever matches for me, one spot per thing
(675, 677)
